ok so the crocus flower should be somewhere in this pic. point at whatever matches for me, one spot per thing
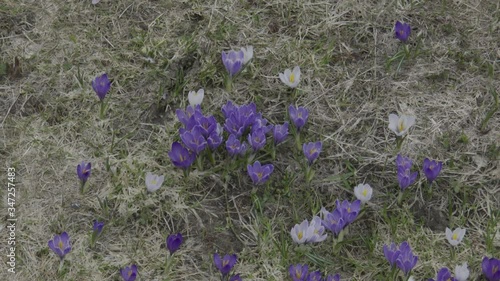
(455, 237)
(491, 268)
(83, 171)
(461, 272)
(233, 61)
(400, 124)
(298, 272)
(174, 242)
(235, 278)
(444, 274)
(261, 123)
(333, 221)
(316, 231)
(298, 116)
(193, 139)
(257, 139)
(280, 132)
(406, 260)
(305, 232)
(234, 146)
(180, 156)
(60, 244)
(153, 182)
(291, 78)
(314, 276)
(214, 140)
(184, 116)
(228, 109)
(259, 174)
(348, 210)
(406, 177)
(225, 264)
(403, 162)
(311, 151)
(129, 273)
(431, 169)
(247, 53)
(335, 277)
(391, 253)
(299, 232)
(196, 98)
(402, 31)
(97, 227)
(101, 85)
(363, 192)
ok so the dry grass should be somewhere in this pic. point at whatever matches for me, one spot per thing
(156, 51)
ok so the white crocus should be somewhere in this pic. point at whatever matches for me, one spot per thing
(400, 124)
(461, 272)
(316, 231)
(291, 77)
(363, 192)
(299, 232)
(456, 236)
(247, 53)
(195, 98)
(153, 182)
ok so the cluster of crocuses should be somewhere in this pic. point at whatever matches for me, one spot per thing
(247, 133)
(401, 257)
(300, 272)
(406, 177)
(344, 214)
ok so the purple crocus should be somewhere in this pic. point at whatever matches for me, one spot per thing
(225, 264)
(333, 221)
(257, 139)
(335, 277)
(280, 132)
(349, 210)
(314, 276)
(83, 171)
(406, 260)
(403, 162)
(174, 242)
(60, 245)
(233, 61)
(129, 273)
(235, 278)
(402, 31)
(298, 272)
(214, 140)
(432, 169)
(311, 151)
(184, 116)
(101, 85)
(298, 115)
(193, 139)
(404, 174)
(259, 174)
(391, 253)
(444, 274)
(406, 177)
(261, 123)
(97, 227)
(181, 157)
(491, 268)
(228, 109)
(235, 147)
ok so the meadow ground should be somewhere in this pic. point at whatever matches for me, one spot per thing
(157, 51)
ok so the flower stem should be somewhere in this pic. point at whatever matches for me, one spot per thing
(61, 264)
(400, 197)
(229, 83)
(82, 185)
(103, 109)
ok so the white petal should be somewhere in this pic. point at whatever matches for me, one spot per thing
(393, 123)
(95, 1)
(283, 78)
(462, 272)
